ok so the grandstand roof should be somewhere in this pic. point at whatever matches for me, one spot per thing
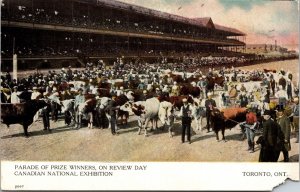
(205, 21)
(232, 30)
(201, 22)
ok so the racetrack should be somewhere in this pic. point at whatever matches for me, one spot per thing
(67, 144)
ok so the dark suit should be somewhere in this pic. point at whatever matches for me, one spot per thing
(112, 107)
(284, 123)
(45, 114)
(186, 123)
(289, 90)
(273, 141)
(209, 103)
(272, 83)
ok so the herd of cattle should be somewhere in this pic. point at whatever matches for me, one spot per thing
(151, 103)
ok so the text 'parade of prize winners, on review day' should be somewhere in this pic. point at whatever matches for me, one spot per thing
(73, 170)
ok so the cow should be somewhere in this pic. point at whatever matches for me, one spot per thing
(198, 112)
(86, 111)
(189, 89)
(270, 70)
(102, 103)
(226, 118)
(21, 113)
(146, 111)
(68, 109)
(212, 81)
(166, 115)
(176, 100)
(124, 115)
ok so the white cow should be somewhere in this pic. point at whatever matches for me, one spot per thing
(129, 95)
(166, 115)
(145, 110)
(67, 107)
(82, 113)
(198, 112)
(102, 104)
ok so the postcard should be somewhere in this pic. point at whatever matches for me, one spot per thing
(149, 95)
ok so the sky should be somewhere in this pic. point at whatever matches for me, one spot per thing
(264, 21)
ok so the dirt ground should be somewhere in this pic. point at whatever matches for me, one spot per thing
(66, 144)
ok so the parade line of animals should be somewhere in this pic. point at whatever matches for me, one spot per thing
(136, 95)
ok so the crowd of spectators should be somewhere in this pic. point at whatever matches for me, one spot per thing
(89, 16)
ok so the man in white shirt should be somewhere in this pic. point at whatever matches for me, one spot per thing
(175, 89)
(282, 96)
(15, 96)
(35, 94)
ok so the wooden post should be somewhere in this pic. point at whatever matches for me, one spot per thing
(15, 67)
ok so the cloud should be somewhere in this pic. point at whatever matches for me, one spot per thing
(246, 5)
(262, 21)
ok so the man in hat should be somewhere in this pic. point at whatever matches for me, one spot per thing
(175, 89)
(262, 105)
(54, 104)
(232, 93)
(284, 123)
(120, 91)
(209, 104)
(272, 137)
(46, 112)
(243, 88)
(185, 114)
(243, 99)
(15, 96)
(157, 92)
(249, 125)
(144, 96)
(282, 96)
(78, 100)
(272, 85)
(282, 82)
(141, 85)
(289, 89)
(35, 94)
(112, 108)
(165, 91)
(202, 83)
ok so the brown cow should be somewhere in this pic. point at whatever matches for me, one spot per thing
(176, 100)
(227, 118)
(211, 81)
(270, 70)
(188, 89)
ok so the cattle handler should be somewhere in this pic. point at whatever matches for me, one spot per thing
(209, 104)
(46, 113)
(186, 117)
(112, 108)
(78, 100)
(249, 125)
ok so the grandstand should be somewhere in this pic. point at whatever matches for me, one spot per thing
(74, 31)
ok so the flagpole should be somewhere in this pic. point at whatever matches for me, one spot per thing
(15, 62)
(13, 45)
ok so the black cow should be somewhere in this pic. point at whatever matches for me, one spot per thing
(21, 113)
